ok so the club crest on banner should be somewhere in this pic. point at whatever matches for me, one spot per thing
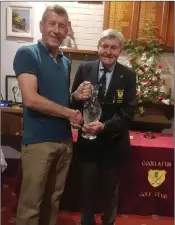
(156, 177)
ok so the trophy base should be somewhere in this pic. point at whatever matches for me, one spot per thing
(88, 136)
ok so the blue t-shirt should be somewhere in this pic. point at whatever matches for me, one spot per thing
(53, 83)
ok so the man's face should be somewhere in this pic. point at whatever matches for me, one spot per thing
(54, 29)
(109, 51)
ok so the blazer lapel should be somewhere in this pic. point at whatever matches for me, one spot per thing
(117, 82)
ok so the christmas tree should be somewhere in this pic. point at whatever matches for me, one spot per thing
(144, 58)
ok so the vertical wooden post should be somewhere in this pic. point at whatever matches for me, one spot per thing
(106, 15)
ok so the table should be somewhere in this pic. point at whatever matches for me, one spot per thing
(147, 180)
(149, 184)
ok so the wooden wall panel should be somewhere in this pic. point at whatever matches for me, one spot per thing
(130, 17)
(157, 13)
(122, 17)
(170, 28)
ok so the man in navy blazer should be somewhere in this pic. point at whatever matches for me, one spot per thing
(107, 153)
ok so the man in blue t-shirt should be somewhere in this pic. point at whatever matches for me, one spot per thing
(43, 75)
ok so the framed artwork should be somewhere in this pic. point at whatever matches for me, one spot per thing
(20, 21)
(13, 92)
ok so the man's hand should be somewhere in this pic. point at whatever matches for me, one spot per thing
(75, 118)
(75, 126)
(83, 92)
(93, 127)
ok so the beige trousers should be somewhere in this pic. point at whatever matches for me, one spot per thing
(44, 166)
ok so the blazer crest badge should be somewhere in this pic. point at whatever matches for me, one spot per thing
(119, 95)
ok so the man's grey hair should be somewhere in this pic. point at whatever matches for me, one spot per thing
(112, 34)
(59, 10)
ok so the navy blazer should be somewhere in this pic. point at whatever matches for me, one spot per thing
(117, 111)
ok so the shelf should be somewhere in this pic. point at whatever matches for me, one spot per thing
(78, 54)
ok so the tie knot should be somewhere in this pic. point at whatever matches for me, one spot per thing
(105, 70)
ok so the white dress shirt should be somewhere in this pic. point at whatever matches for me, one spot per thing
(108, 74)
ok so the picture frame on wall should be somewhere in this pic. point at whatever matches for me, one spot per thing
(13, 92)
(20, 21)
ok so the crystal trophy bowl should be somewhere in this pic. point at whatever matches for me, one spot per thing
(92, 111)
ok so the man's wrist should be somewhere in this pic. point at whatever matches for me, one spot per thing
(68, 113)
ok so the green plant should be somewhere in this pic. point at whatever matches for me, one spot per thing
(144, 58)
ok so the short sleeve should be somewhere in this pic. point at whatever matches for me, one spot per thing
(24, 62)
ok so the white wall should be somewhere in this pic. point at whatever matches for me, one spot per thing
(87, 24)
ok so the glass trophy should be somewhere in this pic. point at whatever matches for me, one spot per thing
(92, 110)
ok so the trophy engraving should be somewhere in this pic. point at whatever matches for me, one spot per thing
(92, 110)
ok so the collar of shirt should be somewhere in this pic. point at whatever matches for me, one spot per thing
(108, 74)
(46, 49)
(101, 68)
